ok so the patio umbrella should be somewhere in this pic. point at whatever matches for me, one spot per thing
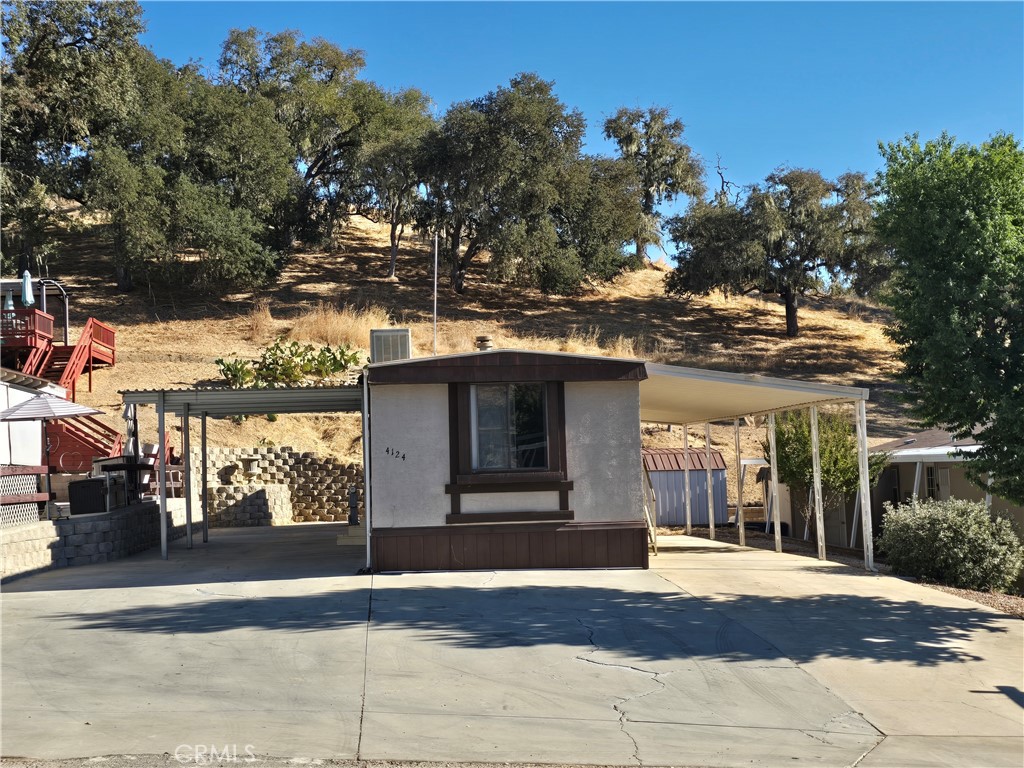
(27, 298)
(43, 408)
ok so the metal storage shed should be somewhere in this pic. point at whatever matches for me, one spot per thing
(667, 471)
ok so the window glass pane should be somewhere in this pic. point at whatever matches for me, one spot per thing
(492, 407)
(510, 427)
(530, 436)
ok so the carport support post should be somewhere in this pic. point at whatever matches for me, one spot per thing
(187, 479)
(161, 436)
(739, 485)
(819, 512)
(865, 485)
(775, 482)
(203, 501)
(917, 478)
(711, 485)
(686, 477)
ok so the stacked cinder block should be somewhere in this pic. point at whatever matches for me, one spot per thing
(317, 487)
(233, 506)
(85, 539)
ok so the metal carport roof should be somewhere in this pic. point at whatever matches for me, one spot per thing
(672, 394)
(236, 402)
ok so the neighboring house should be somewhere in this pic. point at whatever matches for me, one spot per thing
(930, 464)
(21, 442)
(506, 459)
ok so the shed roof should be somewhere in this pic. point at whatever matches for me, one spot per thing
(672, 459)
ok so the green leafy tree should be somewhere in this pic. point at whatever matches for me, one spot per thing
(596, 217)
(492, 170)
(328, 112)
(388, 160)
(784, 238)
(837, 451)
(62, 81)
(953, 215)
(652, 142)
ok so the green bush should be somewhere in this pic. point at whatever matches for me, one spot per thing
(952, 542)
(288, 364)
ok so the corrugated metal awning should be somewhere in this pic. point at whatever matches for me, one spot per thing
(672, 459)
(240, 402)
(676, 395)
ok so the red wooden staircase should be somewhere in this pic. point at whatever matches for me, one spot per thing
(65, 364)
(74, 443)
(26, 345)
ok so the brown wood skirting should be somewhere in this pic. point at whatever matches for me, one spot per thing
(511, 546)
(507, 366)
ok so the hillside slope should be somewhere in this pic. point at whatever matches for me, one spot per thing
(169, 337)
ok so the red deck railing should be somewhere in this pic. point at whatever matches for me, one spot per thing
(25, 327)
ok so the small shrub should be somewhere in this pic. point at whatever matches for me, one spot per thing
(288, 364)
(952, 542)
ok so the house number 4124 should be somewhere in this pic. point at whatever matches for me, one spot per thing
(395, 453)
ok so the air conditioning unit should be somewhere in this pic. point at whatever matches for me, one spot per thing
(388, 344)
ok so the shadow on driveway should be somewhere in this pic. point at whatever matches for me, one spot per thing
(645, 625)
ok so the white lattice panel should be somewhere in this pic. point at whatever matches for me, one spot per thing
(18, 514)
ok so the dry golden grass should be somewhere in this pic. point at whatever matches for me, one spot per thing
(169, 338)
(348, 326)
(261, 322)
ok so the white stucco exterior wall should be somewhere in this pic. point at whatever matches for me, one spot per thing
(602, 422)
(412, 420)
(602, 425)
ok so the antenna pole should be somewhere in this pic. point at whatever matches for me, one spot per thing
(435, 294)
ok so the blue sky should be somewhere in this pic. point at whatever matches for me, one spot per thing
(814, 85)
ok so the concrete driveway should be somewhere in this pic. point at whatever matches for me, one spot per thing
(265, 642)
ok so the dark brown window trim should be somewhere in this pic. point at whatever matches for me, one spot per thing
(514, 476)
(471, 518)
(473, 485)
(464, 480)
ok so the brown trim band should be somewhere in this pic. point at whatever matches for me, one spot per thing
(468, 518)
(522, 486)
(507, 366)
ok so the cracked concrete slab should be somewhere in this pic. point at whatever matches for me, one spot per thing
(266, 637)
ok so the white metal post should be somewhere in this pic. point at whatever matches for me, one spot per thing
(856, 519)
(775, 482)
(917, 478)
(203, 486)
(819, 512)
(435, 303)
(988, 491)
(686, 478)
(711, 486)
(865, 485)
(740, 525)
(367, 489)
(161, 433)
(186, 479)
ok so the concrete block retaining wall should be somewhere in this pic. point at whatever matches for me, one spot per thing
(85, 539)
(240, 483)
(244, 505)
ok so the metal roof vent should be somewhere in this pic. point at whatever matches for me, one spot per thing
(388, 344)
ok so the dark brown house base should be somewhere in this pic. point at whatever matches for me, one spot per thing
(510, 546)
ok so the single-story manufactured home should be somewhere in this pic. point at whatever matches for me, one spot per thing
(513, 458)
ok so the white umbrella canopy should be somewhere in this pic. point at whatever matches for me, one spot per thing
(45, 407)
